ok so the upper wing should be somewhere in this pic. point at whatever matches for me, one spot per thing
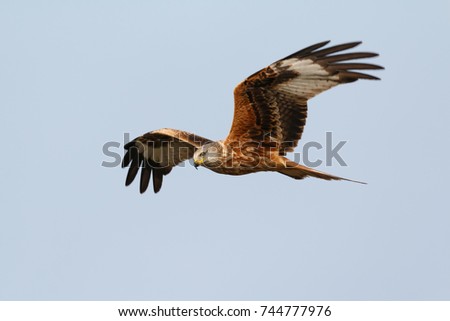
(158, 152)
(270, 105)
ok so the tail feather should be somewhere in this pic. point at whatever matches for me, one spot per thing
(298, 171)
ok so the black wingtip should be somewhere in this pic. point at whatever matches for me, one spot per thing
(307, 50)
(157, 180)
(351, 76)
(333, 49)
(354, 43)
(146, 172)
(321, 44)
(126, 159)
(132, 172)
(312, 47)
(134, 168)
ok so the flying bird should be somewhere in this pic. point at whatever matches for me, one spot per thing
(270, 109)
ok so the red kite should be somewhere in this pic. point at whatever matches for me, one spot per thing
(270, 109)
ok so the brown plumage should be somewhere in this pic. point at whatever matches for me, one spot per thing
(269, 117)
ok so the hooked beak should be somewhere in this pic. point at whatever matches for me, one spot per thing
(198, 162)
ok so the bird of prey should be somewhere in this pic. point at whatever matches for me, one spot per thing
(270, 109)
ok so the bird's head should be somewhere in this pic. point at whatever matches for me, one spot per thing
(209, 155)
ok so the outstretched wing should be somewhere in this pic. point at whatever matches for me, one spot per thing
(270, 105)
(158, 152)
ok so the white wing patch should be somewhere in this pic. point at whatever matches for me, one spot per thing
(312, 79)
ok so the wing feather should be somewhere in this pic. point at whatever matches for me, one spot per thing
(156, 153)
(136, 161)
(306, 51)
(348, 56)
(271, 104)
(157, 180)
(146, 172)
(333, 49)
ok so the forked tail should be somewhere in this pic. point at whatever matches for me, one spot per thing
(298, 171)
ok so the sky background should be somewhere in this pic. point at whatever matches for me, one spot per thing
(75, 75)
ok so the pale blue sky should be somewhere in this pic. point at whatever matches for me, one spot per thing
(77, 74)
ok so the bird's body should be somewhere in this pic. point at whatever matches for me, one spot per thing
(236, 160)
(269, 117)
